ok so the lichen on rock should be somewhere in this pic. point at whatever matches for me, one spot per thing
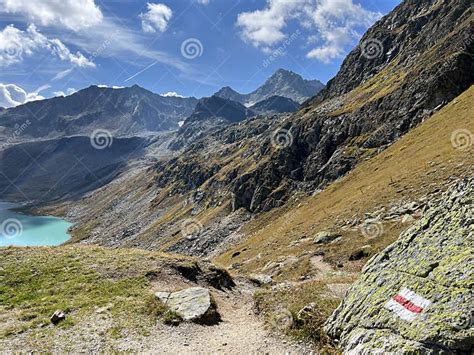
(416, 296)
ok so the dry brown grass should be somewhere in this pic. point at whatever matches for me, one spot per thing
(280, 309)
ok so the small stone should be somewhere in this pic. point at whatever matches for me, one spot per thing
(307, 312)
(325, 237)
(103, 309)
(361, 253)
(261, 279)
(407, 219)
(57, 317)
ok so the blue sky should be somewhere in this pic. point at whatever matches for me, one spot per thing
(191, 47)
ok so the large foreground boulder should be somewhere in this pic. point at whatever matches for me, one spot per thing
(193, 304)
(417, 295)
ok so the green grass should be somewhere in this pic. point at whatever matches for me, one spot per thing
(35, 282)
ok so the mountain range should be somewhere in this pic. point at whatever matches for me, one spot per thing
(134, 110)
(283, 83)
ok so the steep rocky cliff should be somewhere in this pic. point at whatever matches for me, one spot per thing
(408, 65)
(421, 61)
(275, 104)
(417, 295)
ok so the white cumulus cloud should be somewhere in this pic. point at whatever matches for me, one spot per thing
(264, 28)
(340, 23)
(73, 14)
(12, 95)
(204, 2)
(16, 44)
(336, 25)
(156, 18)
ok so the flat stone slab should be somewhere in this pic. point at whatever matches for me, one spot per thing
(194, 304)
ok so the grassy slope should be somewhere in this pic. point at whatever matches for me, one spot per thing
(35, 282)
(420, 162)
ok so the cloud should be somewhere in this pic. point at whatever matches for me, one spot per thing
(264, 28)
(62, 74)
(73, 14)
(173, 94)
(93, 32)
(12, 95)
(156, 18)
(68, 92)
(16, 44)
(340, 24)
(204, 2)
(110, 39)
(334, 24)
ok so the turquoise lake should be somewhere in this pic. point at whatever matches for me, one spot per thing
(17, 229)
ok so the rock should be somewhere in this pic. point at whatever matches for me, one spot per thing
(236, 266)
(163, 296)
(407, 219)
(363, 252)
(417, 295)
(57, 317)
(338, 290)
(298, 242)
(307, 312)
(193, 304)
(261, 279)
(325, 237)
(206, 272)
(104, 309)
(282, 319)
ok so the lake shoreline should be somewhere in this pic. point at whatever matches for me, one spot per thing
(23, 225)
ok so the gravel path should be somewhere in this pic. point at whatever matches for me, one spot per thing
(241, 331)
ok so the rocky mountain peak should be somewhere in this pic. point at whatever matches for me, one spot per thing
(398, 39)
(218, 107)
(283, 83)
(228, 93)
(282, 73)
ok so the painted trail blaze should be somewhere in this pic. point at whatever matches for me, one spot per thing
(407, 304)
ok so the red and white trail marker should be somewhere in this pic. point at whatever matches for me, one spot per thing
(407, 304)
